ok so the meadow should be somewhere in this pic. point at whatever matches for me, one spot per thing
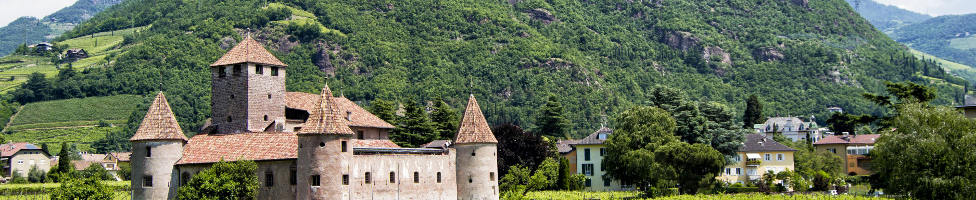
(74, 112)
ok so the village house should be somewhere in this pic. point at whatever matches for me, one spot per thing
(852, 149)
(306, 146)
(793, 128)
(75, 54)
(586, 157)
(20, 157)
(762, 155)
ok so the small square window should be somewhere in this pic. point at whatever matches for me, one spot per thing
(221, 73)
(345, 179)
(237, 70)
(274, 71)
(258, 69)
(147, 181)
(491, 176)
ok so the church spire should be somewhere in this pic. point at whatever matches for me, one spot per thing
(159, 123)
(474, 127)
(326, 119)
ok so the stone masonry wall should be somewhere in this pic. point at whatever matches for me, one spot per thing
(403, 185)
(228, 99)
(265, 96)
(159, 165)
(281, 187)
(477, 173)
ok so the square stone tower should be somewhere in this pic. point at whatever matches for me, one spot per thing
(248, 89)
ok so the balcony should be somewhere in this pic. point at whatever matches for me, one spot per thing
(753, 163)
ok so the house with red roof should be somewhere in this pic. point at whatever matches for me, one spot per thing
(854, 151)
(20, 157)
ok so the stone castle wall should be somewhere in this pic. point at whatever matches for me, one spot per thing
(280, 170)
(159, 165)
(265, 95)
(403, 185)
(324, 156)
(477, 171)
(228, 99)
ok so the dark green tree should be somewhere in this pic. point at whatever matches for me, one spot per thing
(414, 129)
(45, 148)
(630, 157)
(223, 180)
(82, 189)
(846, 122)
(692, 166)
(550, 119)
(517, 147)
(445, 121)
(926, 152)
(36, 175)
(384, 109)
(96, 171)
(753, 112)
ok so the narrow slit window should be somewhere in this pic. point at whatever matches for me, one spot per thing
(345, 179)
(368, 181)
(292, 176)
(392, 177)
(416, 177)
(344, 146)
(438, 177)
(268, 179)
(148, 151)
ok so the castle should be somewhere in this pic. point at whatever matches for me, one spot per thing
(306, 146)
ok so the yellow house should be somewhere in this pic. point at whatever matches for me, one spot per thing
(586, 157)
(762, 155)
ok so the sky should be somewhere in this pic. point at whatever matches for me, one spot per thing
(10, 10)
(935, 7)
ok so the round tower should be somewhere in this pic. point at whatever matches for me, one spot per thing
(324, 152)
(477, 156)
(156, 146)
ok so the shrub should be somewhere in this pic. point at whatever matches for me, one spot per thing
(821, 180)
(76, 189)
(17, 178)
(97, 172)
(223, 180)
(36, 175)
(739, 189)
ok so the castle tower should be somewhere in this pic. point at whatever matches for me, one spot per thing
(477, 160)
(248, 89)
(324, 152)
(156, 146)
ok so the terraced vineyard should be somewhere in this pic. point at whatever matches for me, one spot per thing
(15, 69)
(74, 112)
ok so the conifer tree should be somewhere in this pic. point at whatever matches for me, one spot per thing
(383, 109)
(445, 121)
(414, 129)
(551, 121)
(753, 112)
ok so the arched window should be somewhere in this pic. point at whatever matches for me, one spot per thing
(438, 177)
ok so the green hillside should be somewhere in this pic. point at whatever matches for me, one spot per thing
(32, 30)
(83, 137)
(74, 112)
(598, 56)
(887, 18)
(951, 37)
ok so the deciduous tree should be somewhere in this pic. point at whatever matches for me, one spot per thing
(223, 180)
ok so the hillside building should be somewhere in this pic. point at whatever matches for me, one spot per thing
(306, 146)
(793, 128)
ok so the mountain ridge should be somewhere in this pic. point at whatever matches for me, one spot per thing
(599, 56)
(33, 30)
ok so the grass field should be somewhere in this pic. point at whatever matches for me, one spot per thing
(963, 43)
(74, 112)
(303, 17)
(948, 65)
(573, 195)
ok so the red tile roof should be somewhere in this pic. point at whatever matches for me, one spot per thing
(248, 51)
(474, 127)
(358, 117)
(210, 148)
(9, 149)
(374, 143)
(326, 118)
(121, 156)
(850, 139)
(159, 123)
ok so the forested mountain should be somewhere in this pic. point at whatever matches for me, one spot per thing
(886, 18)
(598, 56)
(33, 30)
(951, 37)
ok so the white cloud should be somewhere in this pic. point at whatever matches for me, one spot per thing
(10, 10)
(935, 7)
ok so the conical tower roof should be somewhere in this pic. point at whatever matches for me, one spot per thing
(248, 51)
(159, 123)
(326, 118)
(474, 127)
